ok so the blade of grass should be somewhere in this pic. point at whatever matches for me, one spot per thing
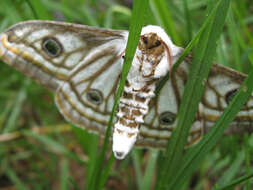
(135, 154)
(3, 24)
(144, 182)
(64, 174)
(136, 23)
(7, 7)
(55, 146)
(114, 10)
(232, 29)
(188, 20)
(108, 19)
(246, 31)
(247, 159)
(178, 14)
(193, 93)
(17, 108)
(244, 27)
(236, 182)
(106, 171)
(89, 144)
(39, 10)
(149, 171)
(19, 185)
(233, 169)
(219, 164)
(222, 52)
(83, 13)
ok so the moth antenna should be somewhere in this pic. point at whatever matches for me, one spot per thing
(169, 58)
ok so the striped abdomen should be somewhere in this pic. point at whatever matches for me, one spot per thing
(133, 106)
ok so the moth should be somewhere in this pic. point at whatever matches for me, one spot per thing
(83, 64)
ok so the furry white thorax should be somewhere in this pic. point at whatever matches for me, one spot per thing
(163, 67)
(122, 141)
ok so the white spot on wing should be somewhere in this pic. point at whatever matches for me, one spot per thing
(70, 42)
(89, 70)
(73, 59)
(108, 77)
(166, 99)
(211, 97)
(223, 84)
(21, 31)
(38, 34)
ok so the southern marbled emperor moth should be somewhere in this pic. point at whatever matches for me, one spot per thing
(82, 65)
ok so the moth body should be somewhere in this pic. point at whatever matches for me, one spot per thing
(151, 62)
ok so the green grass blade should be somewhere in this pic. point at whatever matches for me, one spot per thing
(108, 19)
(247, 159)
(32, 9)
(234, 168)
(39, 10)
(136, 157)
(149, 171)
(106, 171)
(193, 92)
(232, 29)
(7, 7)
(246, 31)
(188, 20)
(236, 182)
(144, 181)
(64, 174)
(19, 185)
(89, 144)
(54, 146)
(17, 108)
(112, 11)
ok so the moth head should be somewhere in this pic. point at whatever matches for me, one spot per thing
(151, 43)
(155, 33)
(157, 45)
(123, 142)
